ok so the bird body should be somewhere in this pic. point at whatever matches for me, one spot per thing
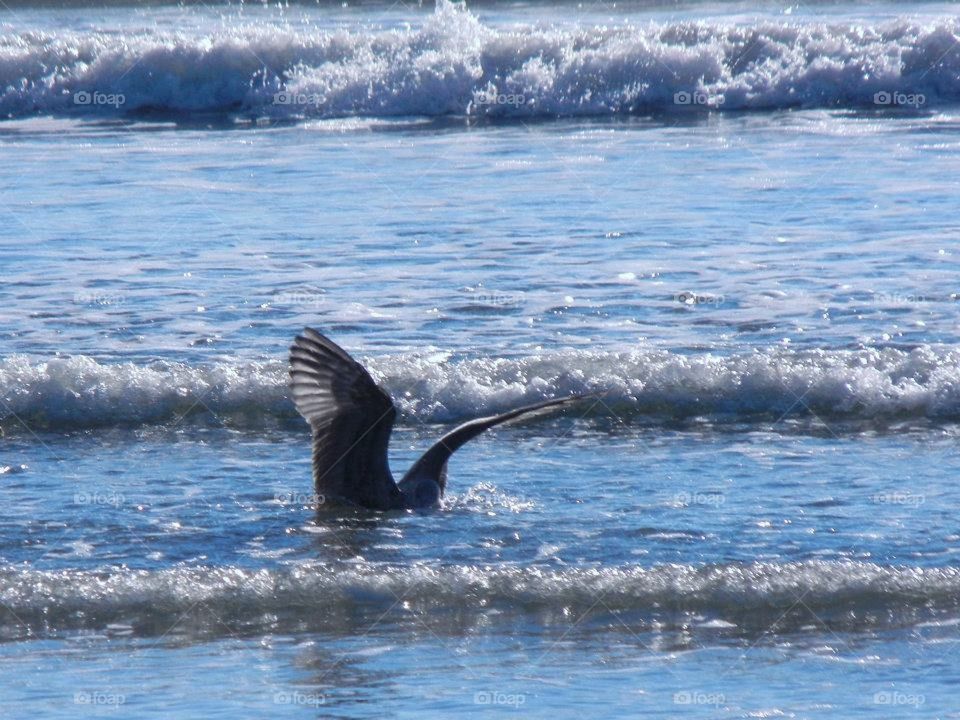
(351, 418)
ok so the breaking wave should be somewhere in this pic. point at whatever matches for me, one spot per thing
(454, 65)
(865, 384)
(729, 597)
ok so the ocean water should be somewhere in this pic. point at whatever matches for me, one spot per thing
(734, 224)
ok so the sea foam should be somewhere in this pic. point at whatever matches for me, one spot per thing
(454, 64)
(865, 384)
(755, 597)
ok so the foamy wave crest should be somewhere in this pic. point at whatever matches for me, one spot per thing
(743, 597)
(455, 65)
(868, 384)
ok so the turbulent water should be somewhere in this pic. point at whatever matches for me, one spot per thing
(732, 228)
(866, 384)
(739, 599)
(454, 64)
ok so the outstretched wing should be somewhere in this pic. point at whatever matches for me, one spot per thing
(433, 463)
(351, 418)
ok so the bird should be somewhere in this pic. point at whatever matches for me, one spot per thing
(351, 418)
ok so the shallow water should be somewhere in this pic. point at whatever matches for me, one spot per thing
(755, 517)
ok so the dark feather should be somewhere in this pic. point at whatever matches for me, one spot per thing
(351, 418)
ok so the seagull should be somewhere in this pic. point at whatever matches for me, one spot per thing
(351, 418)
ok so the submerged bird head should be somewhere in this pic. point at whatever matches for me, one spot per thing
(421, 493)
